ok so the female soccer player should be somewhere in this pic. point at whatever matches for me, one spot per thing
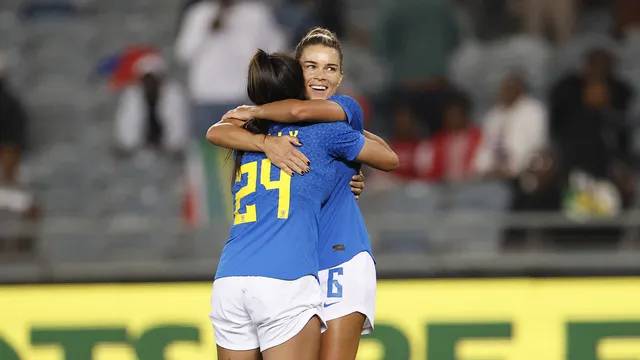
(266, 299)
(347, 273)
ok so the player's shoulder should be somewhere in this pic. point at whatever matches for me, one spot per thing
(351, 108)
(345, 100)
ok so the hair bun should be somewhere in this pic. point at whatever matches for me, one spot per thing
(261, 56)
(320, 31)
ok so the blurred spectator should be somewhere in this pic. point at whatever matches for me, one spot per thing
(153, 111)
(182, 10)
(478, 67)
(405, 142)
(539, 187)
(588, 112)
(627, 16)
(13, 123)
(16, 202)
(216, 41)
(453, 149)
(555, 18)
(588, 117)
(448, 155)
(513, 130)
(416, 38)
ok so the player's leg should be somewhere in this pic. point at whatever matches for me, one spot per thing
(349, 308)
(342, 338)
(226, 354)
(304, 346)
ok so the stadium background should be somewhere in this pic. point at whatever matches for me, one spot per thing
(106, 251)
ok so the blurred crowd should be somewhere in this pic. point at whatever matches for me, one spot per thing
(554, 116)
(537, 94)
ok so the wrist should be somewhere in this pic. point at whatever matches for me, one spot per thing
(260, 141)
(257, 112)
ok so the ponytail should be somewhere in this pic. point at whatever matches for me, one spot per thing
(271, 77)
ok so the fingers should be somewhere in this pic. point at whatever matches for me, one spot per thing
(242, 112)
(291, 165)
(357, 184)
(294, 140)
(299, 164)
(283, 166)
(231, 117)
(295, 166)
(282, 153)
(296, 159)
(358, 177)
(302, 157)
(234, 121)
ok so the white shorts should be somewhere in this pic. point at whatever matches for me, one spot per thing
(250, 312)
(350, 287)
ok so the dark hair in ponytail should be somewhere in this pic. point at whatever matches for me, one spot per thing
(319, 36)
(271, 77)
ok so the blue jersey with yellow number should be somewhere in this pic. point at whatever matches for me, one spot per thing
(276, 216)
(343, 233)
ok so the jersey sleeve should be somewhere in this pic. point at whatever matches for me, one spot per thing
(345, 142)
(352, 110)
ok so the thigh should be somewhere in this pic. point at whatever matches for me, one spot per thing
(226, 354)
(342, 338)
(303, 346)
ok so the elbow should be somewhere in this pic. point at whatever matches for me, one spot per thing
(393, 162)
(299, 112)
(213, 135)
(388, 163)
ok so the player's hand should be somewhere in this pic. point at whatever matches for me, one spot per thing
(357, 184)
(282, 152)
(242, 113)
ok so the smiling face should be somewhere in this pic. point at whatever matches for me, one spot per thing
(322, 71)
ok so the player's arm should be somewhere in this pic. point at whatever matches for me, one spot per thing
(357, 181)
(346, 143)
(229, 133)
(371, 136)
(292, 111)
(377, 153)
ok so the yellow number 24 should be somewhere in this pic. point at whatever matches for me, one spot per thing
(283, 185)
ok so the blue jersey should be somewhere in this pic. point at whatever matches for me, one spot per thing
(343, 233)
(277, 216)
